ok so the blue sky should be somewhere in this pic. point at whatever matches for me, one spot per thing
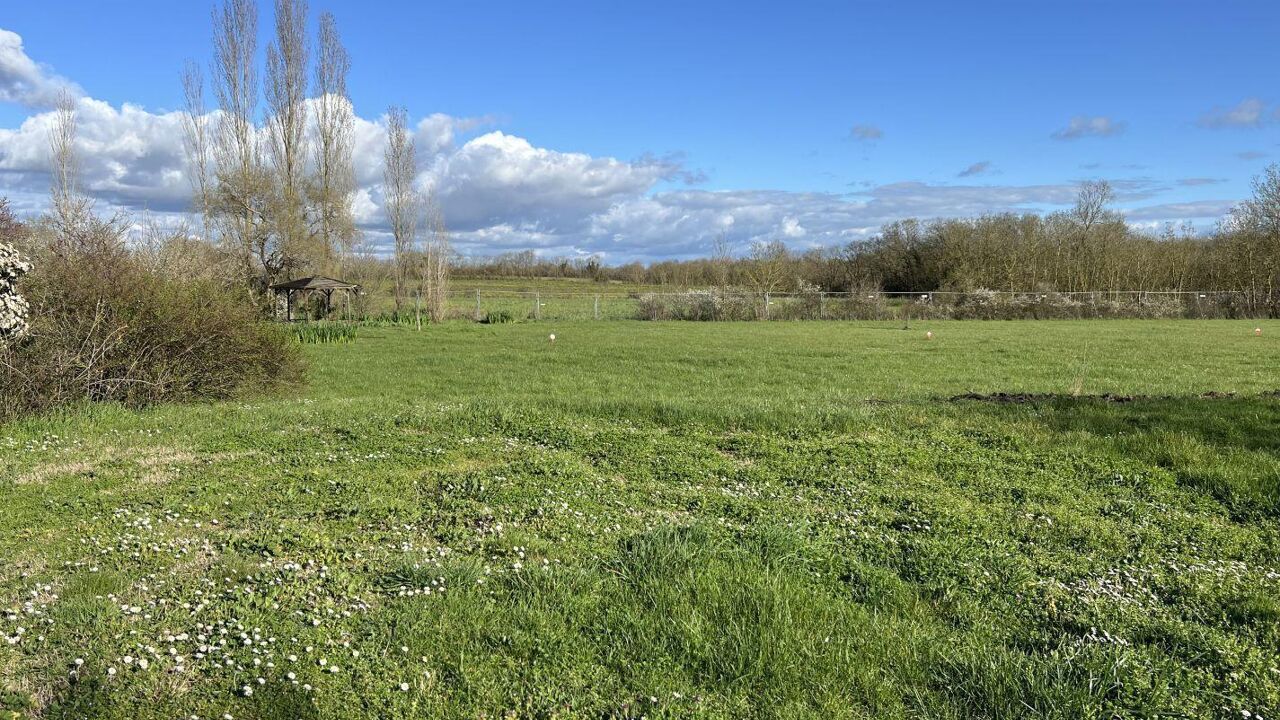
(826, 116)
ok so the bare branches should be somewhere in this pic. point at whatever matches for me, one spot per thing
(335, 122)
(400, 197)
(435, 260)
(195, 137)
(286, 89)
(1261, 213)
(237, 159)
(69, 206)
(1091, 203)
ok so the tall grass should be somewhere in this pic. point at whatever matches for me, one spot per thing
(324, 332)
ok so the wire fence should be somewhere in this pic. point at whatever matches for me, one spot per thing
(498, 305)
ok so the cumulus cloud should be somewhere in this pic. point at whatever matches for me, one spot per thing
(865, 132)
(1248, 113)
(1082, 126)
(978, 168)
(500, 179)
(128, 156)
(23, 80)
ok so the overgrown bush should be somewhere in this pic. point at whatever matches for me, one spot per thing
(700, 305)
(105, 328)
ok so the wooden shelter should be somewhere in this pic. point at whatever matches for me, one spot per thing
(313, 284)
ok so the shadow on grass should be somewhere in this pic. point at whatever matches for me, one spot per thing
(1226, 446)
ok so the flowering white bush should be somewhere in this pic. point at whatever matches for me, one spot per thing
(13, 307)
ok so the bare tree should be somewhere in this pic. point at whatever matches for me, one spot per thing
(1261, 213)
(195, 137)
(722, 259)
(286, 90)
(335, 121)
(767, 265)
(400, 197)
(435, 261)
(240, 199)
(1091, 203)
(69, 207)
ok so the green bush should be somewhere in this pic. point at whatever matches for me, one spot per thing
(104, 327)
(496, 317)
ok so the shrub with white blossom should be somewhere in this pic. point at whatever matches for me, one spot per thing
(13, 307)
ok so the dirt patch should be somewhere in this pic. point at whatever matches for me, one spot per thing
(45, 473)
(157, 464)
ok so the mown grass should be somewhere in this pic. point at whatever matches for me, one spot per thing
(667, 520)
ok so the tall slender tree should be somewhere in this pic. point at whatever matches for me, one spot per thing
(195, 137)
(400, 197)
(335, 175)
(69, 206)
(286, 90)
(240, 199)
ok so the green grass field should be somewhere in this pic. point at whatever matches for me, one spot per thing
(667, 520)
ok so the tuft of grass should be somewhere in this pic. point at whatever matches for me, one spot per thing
(499, 317)
(324, 332)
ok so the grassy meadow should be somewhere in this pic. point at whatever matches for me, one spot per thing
(667, 520)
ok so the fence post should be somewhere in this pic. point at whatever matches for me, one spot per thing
(537, 306)
(478, 312)
(417, 309)
(822, 306)
(766, 305)
(597, 308)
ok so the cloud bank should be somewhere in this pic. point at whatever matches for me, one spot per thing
(503, 192)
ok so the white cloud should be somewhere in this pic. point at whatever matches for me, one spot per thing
(23, 80)
(503, 179)
(127, 155)
(792, 228)
(866, 132)
(1081, 126)
(1248, 113)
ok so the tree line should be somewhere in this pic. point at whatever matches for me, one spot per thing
(1087, 248)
